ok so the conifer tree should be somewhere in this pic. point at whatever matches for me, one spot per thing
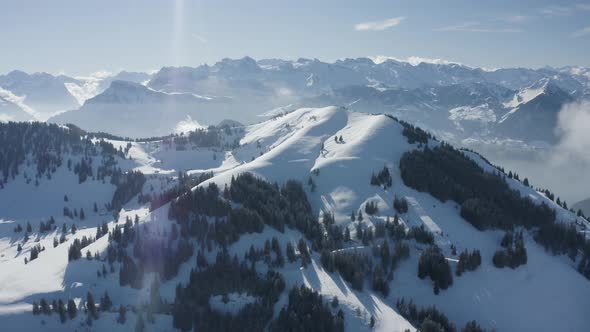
(122, 313)
(36, 309)
(72, 309)
(61, 310)
(91, 306)
(291, 252)
(139, 324)
(105, 300)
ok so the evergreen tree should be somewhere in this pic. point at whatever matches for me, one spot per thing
(72, 309)
(335, 302)
(54, 306)
(105, 300)
(307, 312)
(139, 324)
(371, 208)
(472, 326)
(91, 306)
(61, 310)
(291, 252)
(304, 252)
(122, 313)
(44, 306)
(432, 263)
(36, 309)
(400, 205)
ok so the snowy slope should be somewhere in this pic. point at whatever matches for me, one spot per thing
(496, 298)
(546, 294)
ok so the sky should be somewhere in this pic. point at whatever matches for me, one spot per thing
(82, 37)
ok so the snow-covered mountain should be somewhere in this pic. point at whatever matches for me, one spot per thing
(372, 167)
(460, 111)
(134, 110)
(44, 93)
(538, 104)
(263, 78)
(86, 87)
(455, 101)
(509, 113)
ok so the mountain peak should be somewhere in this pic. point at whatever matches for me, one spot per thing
(245, 64)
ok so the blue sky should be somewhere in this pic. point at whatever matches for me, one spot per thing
(80, 37)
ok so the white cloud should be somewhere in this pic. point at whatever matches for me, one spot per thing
(567, 10)
(187, 125)
(516, 18)
(101, 74)
(379, 25)
(572, 128)
(200, 38)
(18, 101)
(582, 32)
(474, 26)
(556, 10)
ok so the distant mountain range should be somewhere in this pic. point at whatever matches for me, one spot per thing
(452, 100)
